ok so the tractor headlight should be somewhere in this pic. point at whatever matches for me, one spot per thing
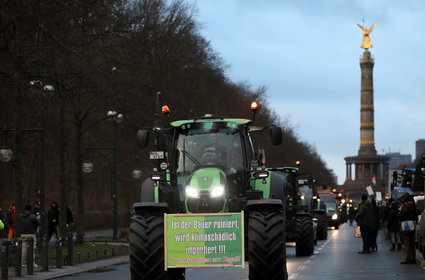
(217, 191)
(335, 216)
(192, 192)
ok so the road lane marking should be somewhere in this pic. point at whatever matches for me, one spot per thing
(302, 267)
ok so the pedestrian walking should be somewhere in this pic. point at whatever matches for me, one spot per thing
(37, 212)
(29, 228)
(375, 226)
(408, 218)
(11, 217)
(364, 219)
(351, 214)
(385, 214)
(53, 220)
(393, 226)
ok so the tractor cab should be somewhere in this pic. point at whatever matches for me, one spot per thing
(211, 159)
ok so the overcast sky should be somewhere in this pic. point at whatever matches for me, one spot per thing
(306, 52)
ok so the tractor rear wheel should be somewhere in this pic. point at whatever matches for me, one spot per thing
(304, 236)
(147, 248)
(322, 226)
(266, 244)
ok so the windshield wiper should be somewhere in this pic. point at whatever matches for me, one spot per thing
(186, 153)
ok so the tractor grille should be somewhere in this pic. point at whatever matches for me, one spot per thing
(205, 204)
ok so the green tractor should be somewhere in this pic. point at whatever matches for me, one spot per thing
(210, 166)
(300, 224)
(308, 188)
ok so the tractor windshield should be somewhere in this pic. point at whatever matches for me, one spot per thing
(209, 144)
(306, 190)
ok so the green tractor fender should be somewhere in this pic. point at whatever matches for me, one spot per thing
(147, 193)
(277, 186)
(274, 187)
(263, 203)
(150, 206)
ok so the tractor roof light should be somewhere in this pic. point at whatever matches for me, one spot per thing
(165, 110)
(254, 106)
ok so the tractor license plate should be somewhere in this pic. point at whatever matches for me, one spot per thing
(156, 155)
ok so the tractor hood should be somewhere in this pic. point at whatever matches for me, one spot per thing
(205, 179)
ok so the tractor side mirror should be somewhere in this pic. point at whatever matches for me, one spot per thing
(276, 135)
(142, 138)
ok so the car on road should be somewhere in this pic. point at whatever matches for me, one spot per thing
(334, 219)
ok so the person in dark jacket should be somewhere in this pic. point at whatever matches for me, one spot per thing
(385, 215)
(29, 228)
(37, 212)
(365, 219)
(393, 226)
(408, 213)
(375, 226)
(52, 220)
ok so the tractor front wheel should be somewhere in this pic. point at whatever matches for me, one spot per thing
(266, 244)
(147, 248)
(304, 236)
(322, 226)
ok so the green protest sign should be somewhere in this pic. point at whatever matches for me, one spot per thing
(202, 240)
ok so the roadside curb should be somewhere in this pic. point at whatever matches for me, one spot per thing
(70, 270)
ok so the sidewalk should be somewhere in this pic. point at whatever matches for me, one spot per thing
(69, 270)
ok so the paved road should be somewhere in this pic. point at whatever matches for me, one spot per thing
(335, 258)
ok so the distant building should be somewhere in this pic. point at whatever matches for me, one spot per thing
(420, 148)
(397, 160)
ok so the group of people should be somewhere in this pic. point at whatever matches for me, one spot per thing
(31, 220)
(395, 218)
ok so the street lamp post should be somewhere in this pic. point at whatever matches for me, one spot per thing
(87, 167)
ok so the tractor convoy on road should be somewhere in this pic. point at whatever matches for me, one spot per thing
(206, 169)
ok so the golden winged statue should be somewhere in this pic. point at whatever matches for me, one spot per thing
(366, 44)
